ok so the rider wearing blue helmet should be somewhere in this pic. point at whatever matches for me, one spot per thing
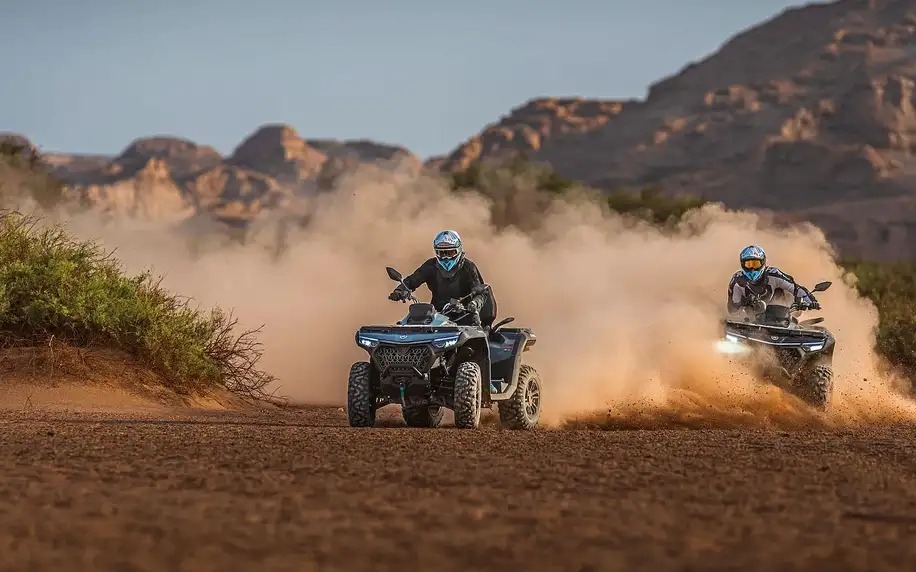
(766, 283)
(450, 274)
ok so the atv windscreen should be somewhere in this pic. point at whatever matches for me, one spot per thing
(777, 316)
(420, 313)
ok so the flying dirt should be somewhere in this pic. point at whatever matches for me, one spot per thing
(626, 313)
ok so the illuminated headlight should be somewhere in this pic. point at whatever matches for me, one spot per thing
(814, 347)
(368, 342)
(443, 343)
(731, 345)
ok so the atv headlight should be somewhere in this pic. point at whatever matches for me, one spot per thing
(443, 343)
(731, 345)
(367, 342)
(814, 347)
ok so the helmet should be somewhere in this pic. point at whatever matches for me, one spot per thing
(753, 262)
(449, 252)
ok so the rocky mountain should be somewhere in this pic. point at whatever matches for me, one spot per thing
(526, 128)
(810, 113)
(170, 178)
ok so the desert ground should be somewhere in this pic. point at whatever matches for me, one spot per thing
(87, 488)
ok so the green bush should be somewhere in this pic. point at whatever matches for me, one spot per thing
(892, 288)
(55, 287)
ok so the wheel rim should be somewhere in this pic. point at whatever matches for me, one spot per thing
(532, 399)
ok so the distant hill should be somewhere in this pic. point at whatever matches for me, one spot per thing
(172, 178)
(810, 113)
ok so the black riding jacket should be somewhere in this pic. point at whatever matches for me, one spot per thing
(445, 286)
(775, 285)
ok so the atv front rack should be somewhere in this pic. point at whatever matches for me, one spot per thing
(775, 335)
(781, 330)
(398, 329)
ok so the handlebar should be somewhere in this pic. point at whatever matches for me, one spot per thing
(759, 306)
(456, 303)
(477, 290)
(461, 312)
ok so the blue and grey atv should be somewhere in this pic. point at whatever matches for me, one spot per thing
(427, 363)
(796, 356)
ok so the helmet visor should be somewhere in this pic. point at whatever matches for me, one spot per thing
(751, 264)
(446, 253)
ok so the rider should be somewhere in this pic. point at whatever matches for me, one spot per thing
(450, 274)
(758, 281)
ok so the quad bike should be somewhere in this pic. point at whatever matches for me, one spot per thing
(427, 362)
(795, 356)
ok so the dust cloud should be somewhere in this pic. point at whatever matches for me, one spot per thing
(625, 314)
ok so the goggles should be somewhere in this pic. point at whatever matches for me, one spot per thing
(446, 253)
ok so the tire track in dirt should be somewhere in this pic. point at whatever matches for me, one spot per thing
(297, 490)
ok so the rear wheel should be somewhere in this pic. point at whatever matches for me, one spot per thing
(522, 411)
(817, 386)
(423, 416)
(468, 393)
(360, 396)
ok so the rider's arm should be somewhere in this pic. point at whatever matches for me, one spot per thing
(421, 275)
(735, 295)
(474, 280)
(779, 279)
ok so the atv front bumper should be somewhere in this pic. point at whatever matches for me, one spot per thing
(773, 360)
(733, 344)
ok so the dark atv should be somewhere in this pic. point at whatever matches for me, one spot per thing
(427, 362)
(796, 356)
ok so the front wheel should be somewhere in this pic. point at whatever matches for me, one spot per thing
(468, 393)
(522, 411)
(817, 386)
(360, 396)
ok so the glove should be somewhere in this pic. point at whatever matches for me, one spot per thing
(474, 306)
(397, 295)
(813, 306)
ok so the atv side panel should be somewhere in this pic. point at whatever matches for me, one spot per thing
(506, 348)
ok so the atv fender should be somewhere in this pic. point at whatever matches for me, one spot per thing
(474, 347)
(506, 348)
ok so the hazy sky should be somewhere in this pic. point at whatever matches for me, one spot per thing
(92, 75)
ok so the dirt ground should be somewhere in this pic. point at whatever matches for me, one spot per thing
(298, 490)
